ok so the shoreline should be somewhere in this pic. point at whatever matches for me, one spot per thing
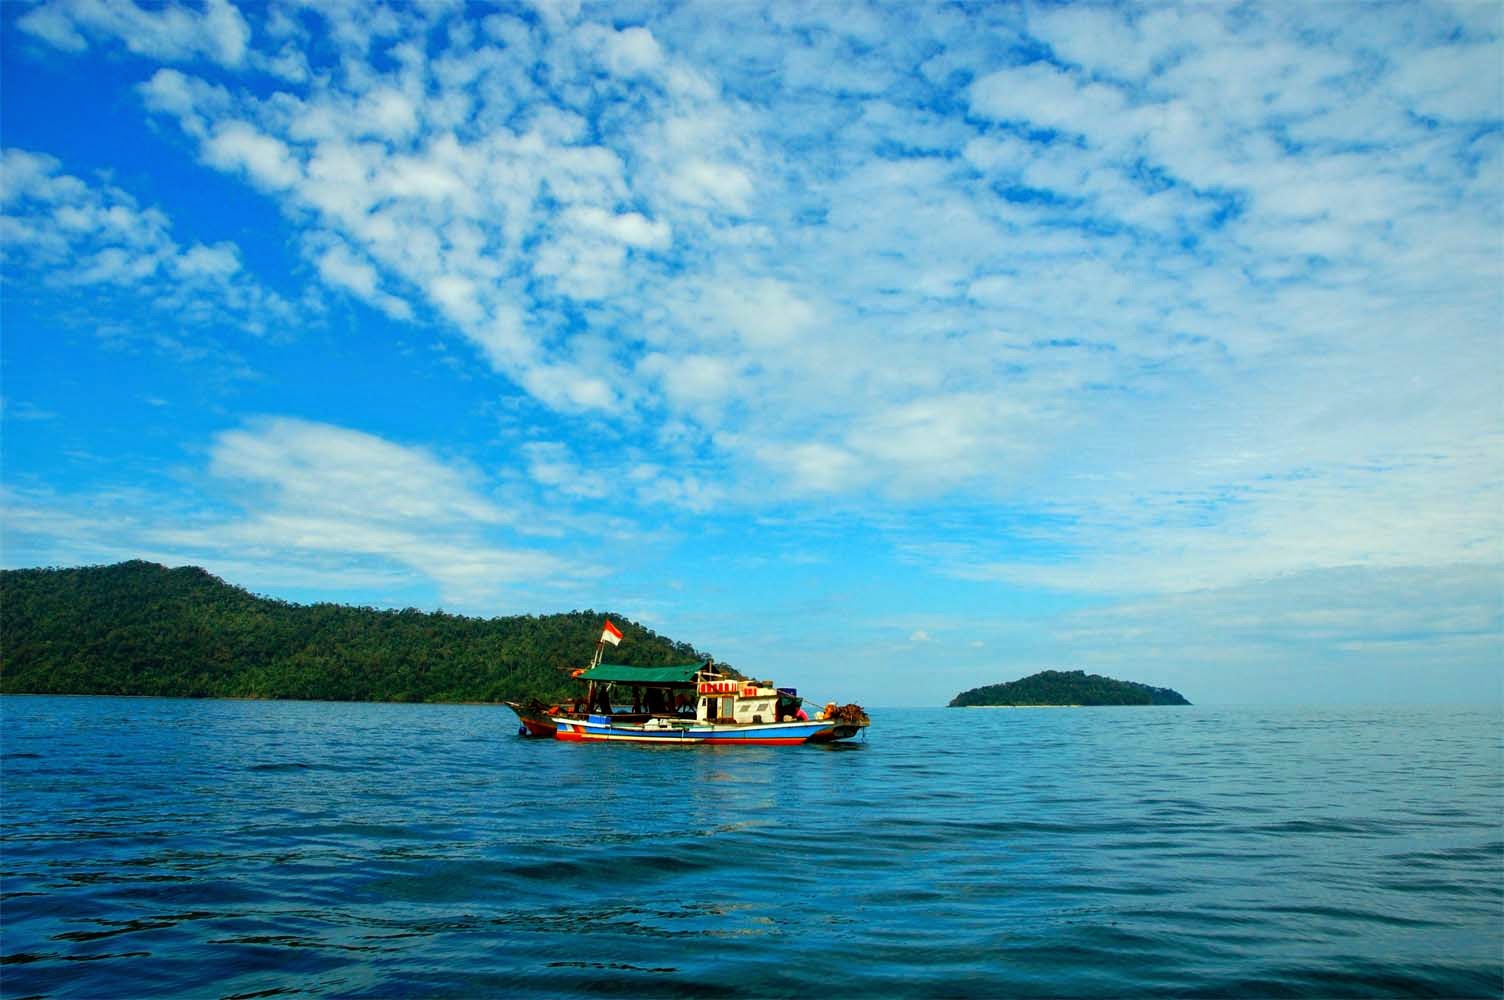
(1021, 706)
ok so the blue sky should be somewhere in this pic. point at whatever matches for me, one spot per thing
(885, 349)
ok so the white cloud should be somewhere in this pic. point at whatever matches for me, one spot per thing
(1258, 641)
(221, 261)
(338, 266)
(315, 489)
(713, 185)
(630, 228)
(568, 387)
(389, 113)
(1045, 96)
(189, 99)
(1103, 39)
(456, 295)
(1430, 510)
(936, 440)
(938, 271)
(655, 485)
(334, 472)
(690, 381)
(1456, 82)
(172, 33)
(550, 464)
(630, 52)
(816, 467)
(238, 146)
(62, 231)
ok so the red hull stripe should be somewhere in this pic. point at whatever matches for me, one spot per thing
(574, 737)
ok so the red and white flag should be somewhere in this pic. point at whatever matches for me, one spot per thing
(610, 633)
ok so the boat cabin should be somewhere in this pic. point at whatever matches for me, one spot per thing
(689, 692)
(727, 700)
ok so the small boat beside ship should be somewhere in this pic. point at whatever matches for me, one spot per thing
(682, 704)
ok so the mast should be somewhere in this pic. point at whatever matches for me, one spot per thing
(600, 646)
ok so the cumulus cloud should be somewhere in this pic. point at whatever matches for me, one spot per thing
(63, 231)
(265, 160)
(214, 30)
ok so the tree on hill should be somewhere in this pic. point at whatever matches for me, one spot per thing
(1067, 687)
(143, 629)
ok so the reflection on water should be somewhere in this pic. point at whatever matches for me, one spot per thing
(241, 849)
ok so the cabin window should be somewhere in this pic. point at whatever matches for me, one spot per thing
(728, 706)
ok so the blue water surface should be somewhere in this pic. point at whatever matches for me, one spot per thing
(236, 849)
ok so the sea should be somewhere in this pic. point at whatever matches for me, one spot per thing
(239, 849)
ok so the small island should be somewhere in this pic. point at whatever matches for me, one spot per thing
(1066, 688)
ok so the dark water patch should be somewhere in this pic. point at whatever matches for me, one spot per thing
(275, 991)
(1450, 857)
(1345, 914)
(115, 928)
(1351, 827)
(21, 958)
(120, 878)
(1371, 980)
(620, 966)
(291, 941)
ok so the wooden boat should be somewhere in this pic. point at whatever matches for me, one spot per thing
(695, 703)
(683, 704)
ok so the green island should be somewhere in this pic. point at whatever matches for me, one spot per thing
(1066, 687)
(137, 628)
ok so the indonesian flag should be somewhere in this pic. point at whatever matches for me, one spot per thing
(610, 633)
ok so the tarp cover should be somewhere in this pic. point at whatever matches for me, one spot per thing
(618, 673)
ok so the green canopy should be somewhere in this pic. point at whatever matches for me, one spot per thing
(620, 673)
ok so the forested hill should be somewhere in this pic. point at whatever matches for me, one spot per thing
(1068, 687)
(140, 628)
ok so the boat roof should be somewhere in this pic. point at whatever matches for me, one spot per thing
(620, 673)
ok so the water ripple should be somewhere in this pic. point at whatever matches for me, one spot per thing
(242, 849)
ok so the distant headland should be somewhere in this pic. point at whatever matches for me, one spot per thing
(137, 628)
(1066, 687)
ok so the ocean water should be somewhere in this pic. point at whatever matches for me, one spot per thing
(161, 848)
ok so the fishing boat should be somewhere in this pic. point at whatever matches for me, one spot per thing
(694, 703)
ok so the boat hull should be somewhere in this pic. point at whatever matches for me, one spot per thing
(600, 729)
(534, 724)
